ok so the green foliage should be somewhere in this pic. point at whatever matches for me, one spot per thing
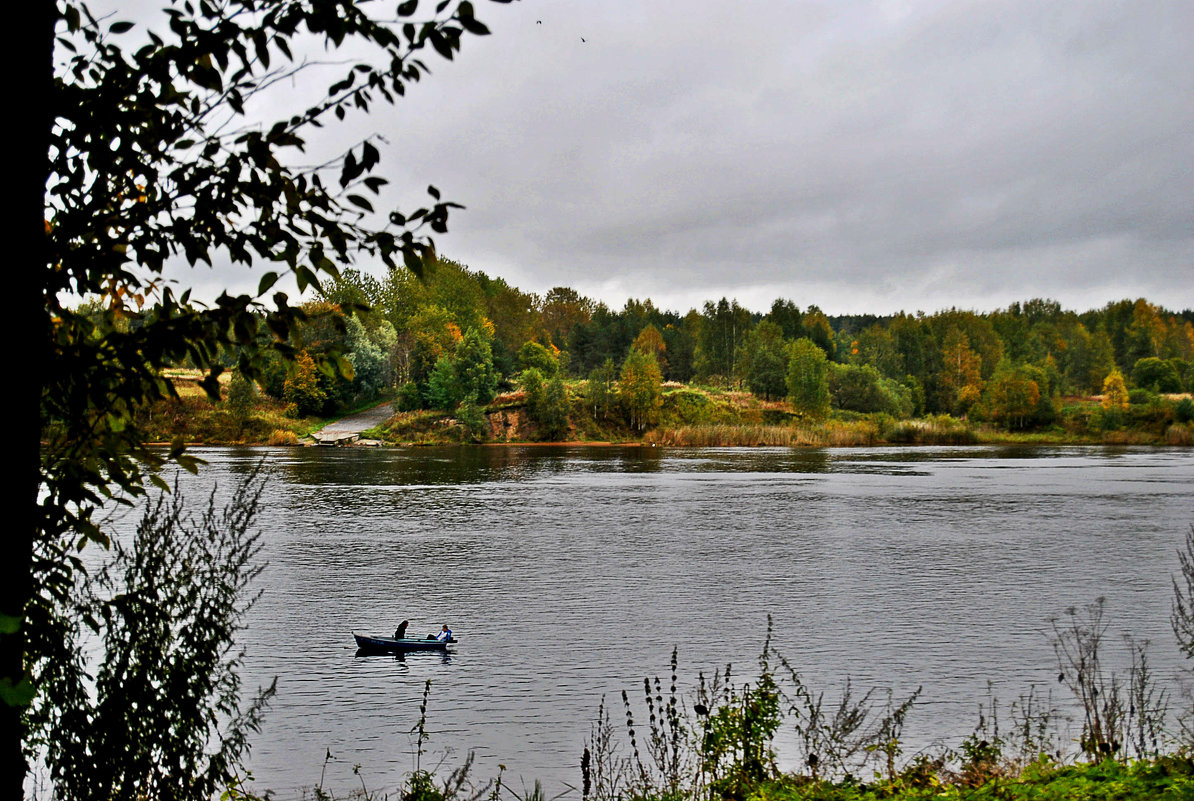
(351, 291)
(561, 311)
(650, 341)
(476, 425)
(765, 362)
(420, 786)
(680, 336)
(274, 372)
(533, 386)
(553, 416)
(787, 316)
(150, 160)
(547, 403)
(409, 398)
(1185, 371)
(443, 389)
(723, 329)
(808, 378)
(1140, 397)
(242, 395)
(534, 355)
(475, 373)
(162, 717)
(428, 336)
(1013, 397)
(736, 739)
(861, 388)
(302, 390)
(600, 393)
(690, 407)
(916, 393)
(369, 353)
(639, 389)
(1183, 410)
(1167, 778)
(468, 376)
(817, 328)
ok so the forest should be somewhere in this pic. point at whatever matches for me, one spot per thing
(468, 357)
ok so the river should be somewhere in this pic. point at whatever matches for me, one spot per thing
(569, 573)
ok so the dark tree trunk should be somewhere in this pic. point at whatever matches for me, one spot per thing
(31, 86)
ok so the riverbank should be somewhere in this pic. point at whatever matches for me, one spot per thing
(688, 416)
(1165, 778)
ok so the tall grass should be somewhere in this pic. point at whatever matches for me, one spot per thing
(934, 430)
(830, 433)
(1179, 434)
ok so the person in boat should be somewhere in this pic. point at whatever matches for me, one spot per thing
(445, 634)
(400, 632)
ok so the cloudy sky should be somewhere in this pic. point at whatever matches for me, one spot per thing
(865, 156)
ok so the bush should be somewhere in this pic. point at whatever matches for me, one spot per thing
(476, 424)
(302, 390)
(242, 395)
(1183, 411)
(934, 430)
(155, 711)
(860, 388)
(534, 355)
(689, 407)
(281, 436)
(409, 399)
(1139, 397)
(1157, 375)
(1179, 434)
(443, 389)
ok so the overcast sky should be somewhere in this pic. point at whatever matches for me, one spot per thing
(862, 156)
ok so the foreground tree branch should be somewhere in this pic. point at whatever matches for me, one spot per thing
(134, 154)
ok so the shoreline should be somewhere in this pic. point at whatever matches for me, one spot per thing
(644, 444)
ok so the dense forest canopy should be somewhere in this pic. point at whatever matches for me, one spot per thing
(456, 336)
(944, 351)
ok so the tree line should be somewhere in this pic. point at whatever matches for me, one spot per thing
(454, 337)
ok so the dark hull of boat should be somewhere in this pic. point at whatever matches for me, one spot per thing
(389, 645)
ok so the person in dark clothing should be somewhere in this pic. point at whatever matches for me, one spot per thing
(400, 632)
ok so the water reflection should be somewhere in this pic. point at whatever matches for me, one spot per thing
(443, 657)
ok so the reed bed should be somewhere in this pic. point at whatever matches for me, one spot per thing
(827, 434)
(939, 430)
(1179, 434)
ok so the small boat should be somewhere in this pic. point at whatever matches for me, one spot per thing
(389, 645)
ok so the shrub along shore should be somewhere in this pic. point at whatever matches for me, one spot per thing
(686, 416)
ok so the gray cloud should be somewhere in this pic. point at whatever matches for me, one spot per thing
(864, 156)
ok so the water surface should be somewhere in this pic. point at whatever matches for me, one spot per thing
(569, 574)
